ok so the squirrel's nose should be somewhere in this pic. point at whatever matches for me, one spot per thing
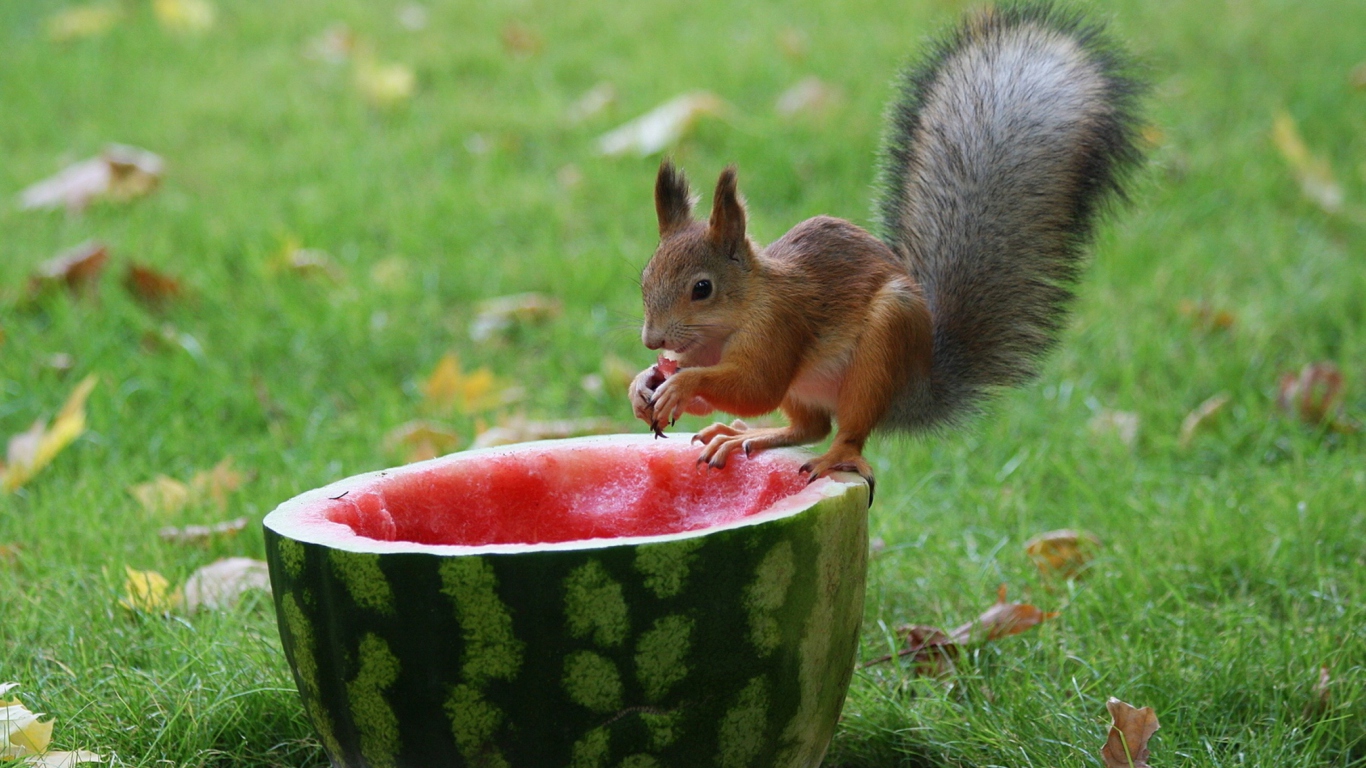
(650, 340)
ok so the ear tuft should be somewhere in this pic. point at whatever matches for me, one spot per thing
(672, 202)
(727, 225)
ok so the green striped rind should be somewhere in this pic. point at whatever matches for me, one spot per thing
(732, 649)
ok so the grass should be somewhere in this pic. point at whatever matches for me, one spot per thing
(1233, 568)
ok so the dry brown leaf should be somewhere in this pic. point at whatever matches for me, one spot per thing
(1205, 317)
(1001, 620)
(1313, 173)
(661, 127)
(203, 535)
(932, 650)
(421, 440)
(502, 314)
(793, 43)
(809, 96)
(1358, 76)
(520, 40)
(1314, 396)
(384, 84)
(152, 288)
(221, 584)
(1202, 417)
(1321, 696)
(185, 16)
(1064, 553)
(31, 451)
(164, 495)
(1122, 425)
(520, 430)
(1130, 729)
(119, 173)
(83, 21)
(592, 103)
(333, 45)
(76, 268)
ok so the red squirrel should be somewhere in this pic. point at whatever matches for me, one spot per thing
(1003, 146)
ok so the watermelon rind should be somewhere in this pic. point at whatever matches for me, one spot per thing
(731, 646)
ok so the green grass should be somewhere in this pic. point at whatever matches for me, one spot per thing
(1233, 569)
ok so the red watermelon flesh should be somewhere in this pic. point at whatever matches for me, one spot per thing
(593, 491)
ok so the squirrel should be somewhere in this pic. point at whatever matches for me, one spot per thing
(1002, 148)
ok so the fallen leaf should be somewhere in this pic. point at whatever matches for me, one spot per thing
(309, 262)
(185, 16)
(333, 45)
(391, 272)
(220, 584)
(148, 592)
(62, 759)
(421, 440)
(495, 316)
(1313, 173)
(151, 287)
(520, 40)
(661, 127)
(21, 732)
(519, 430)
(592, 103)
(1001, 620)
(412, 17)
(449, 387)
(119, 173)
(76, 268)
(811, 96)
(1200, 418)
(384, 84)
(31, 451)
(161, 495)
(164, 495)
(932, 650)
(1127, 743)
(1152, 135)
(1206, 317)
(1320, 698)
(1064, 553)
(1122, 425)
(1358, 76)
(1314, 395)
(83, 21)
(215, 484)
(793, 43)
(203, 535)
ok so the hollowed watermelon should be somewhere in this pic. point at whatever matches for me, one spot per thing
(588, 603)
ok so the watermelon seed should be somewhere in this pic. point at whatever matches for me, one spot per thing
(334, 498)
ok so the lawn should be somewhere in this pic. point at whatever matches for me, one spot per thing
(1232, 569)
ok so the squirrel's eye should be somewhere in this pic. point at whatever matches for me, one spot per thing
(701, 290)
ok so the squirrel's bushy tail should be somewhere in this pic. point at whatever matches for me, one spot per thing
(1002, 147)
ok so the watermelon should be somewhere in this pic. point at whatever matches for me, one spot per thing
(588, 603)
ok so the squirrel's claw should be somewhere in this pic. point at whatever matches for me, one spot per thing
(819, 468)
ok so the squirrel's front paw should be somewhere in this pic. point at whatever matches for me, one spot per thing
(671, 400)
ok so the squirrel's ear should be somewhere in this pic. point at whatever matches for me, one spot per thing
(672, 201)
(727, 225)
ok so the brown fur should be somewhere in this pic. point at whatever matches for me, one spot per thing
(1003, 145)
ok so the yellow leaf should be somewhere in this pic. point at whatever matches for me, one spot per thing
(161, 495)
(449, 387)
(384, 85)
(1201, 417)
(21, 732)
(83, 21)
(35, 449)
(1314, 173)
(185, 16)
(215, 484)
(148, 591)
